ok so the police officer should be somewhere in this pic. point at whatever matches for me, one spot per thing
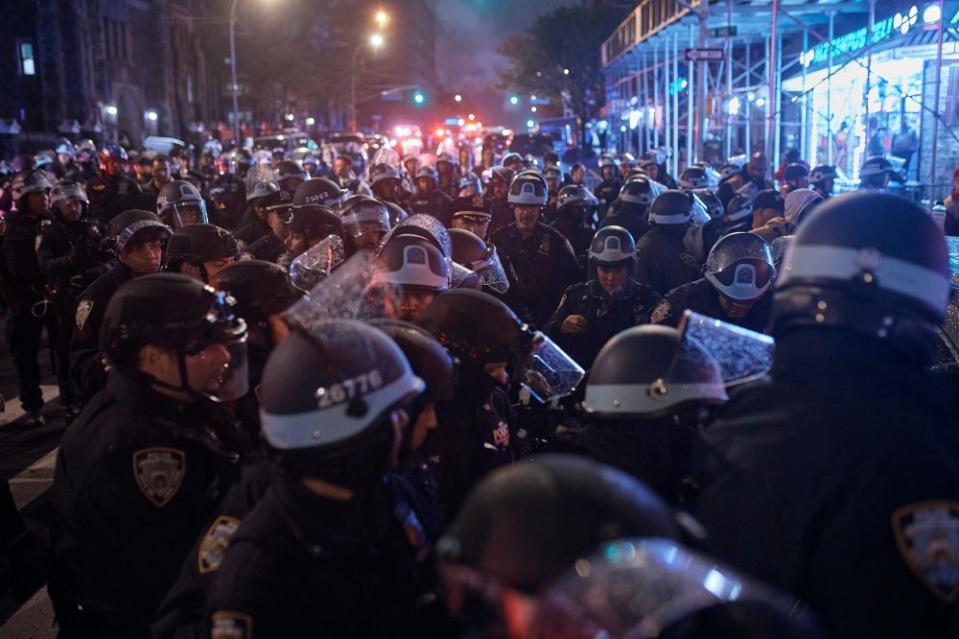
(795, 176)
(608, 189)
(447, 175)
(496, 198)
(24, 285)
(693, 177)
(412, 272)
(663, 262)
(481, 258)
(201, 251)
(611, 301)
(489, 340)
(574, 211)
(822, 179)
(180, 203)
(307, 225)
(631, 207)
(345, 177)
(876, 173)
(526, 524)
(140, 244)
(139, 473)
(228, 193)
(254, 224)
(277, 207)
(290, 175)
(160, 176)
(737, 217)
(543, 259)
(319, 191)
(337, 542)
(474, 219)
(739, 274)
(72, 254)
(649, 394)
(365, 222)
(428, 198)
(857, 443)
(554, 182)
(111, 192)
(386, 183)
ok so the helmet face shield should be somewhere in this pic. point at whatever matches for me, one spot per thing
(364, 220)
(224, 378)
(317, 262)
(491, 272)
(181, 214)
(548, 372)
(743, 355)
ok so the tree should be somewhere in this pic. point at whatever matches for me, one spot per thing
(568, 38)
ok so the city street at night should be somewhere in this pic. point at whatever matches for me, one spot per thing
(550, 319)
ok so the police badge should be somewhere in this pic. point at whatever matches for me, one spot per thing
(215, 542)
(159, 473)
(83, 312)
(227, 624)
(927, 534)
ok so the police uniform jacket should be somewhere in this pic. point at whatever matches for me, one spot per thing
(606, 192)
(837, 479)
(110, 197)
(502, 214)
(69, 259)
(606, 315)
(700, 297)
(433, 203)
(301, 563)
(662, 260)
(137, 478)
(20, 244)
(545, 265)
(630, 217)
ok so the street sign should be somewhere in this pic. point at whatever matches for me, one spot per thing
(723, 32)
(708, 55)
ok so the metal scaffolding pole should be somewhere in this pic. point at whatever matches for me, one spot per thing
(803, 121)
(690, 100)
(655, 91)
(771, 70)
(749, 103)
(729, 78)
(645, 111)
(829, 131)
(675, 156)
(778, 105)
(667, 103)
(933, 177)
(702, 84)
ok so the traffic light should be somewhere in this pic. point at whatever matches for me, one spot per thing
(419, 98)
(514, 99)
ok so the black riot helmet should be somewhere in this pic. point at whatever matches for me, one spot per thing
(259, 288)
(528, 188)
(671, 208)
(26, 182)
(740, 267)
(69, 190)
(314, 221)
(365, 217)
(326, 400)
(872, 263)
(427, 357)
(290, 175)
(134, 227)
(876, 172)
(636, 191)
(796, 172)
(197, 244)
(261, 189)
(319, 190)
(526, 523)
(739, 208)
(397, 212)
(513, 161)
(819, 176)
(694, 177)
(180, 314)
(711, 202)
(612, 246)
(411, 261)
(180, 203)
(480, 257)
(575, 201)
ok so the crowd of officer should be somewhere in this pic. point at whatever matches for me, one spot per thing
(429, 399)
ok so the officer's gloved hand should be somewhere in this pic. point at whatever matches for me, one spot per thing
(573, 325)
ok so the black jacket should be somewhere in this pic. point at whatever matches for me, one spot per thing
(110, 197)
(502, 214)
(606, 192)
(302, 563)
(25, 279)
(605, 316)
(137, 478)
(631, 217)
(545, 265)
(433, 203)
(837, 479)
(700, 297)
(662, 260)
(70, 257)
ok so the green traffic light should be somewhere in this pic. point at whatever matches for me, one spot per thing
(419, 98)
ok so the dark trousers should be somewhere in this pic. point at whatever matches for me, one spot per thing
(59, 321)
(23, 332)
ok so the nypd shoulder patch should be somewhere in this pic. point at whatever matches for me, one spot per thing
(227, 624)
(215, 542)
(159, 473)
(661, 312)
(927, 535)
(83, 312)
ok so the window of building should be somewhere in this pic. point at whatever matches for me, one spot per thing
(27, 64)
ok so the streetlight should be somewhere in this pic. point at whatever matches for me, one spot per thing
(376, 41)
(458, 98)
(381, 18)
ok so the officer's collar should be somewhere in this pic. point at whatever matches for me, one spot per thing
(132, 386)
(596, 289)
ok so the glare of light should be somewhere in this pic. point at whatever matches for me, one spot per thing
(931, 14)
(733, 106)
(419, 98)
(530, 124)
(532, 109)
(760, 102)
(513, 99)
(471, 117)
(403, 132)
(110, 109)
(310, 121)
(683, 84)
(716, 582)
(458, 97)
(634, 119)
(152, 116)
(289, 117)
(565, 71)
(461, 122)
(623, 128)
(440, 133)
(376, 40)
(807, 57)
(750, 96)
(381, 17)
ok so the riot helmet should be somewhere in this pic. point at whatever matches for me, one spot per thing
(554, 179)
(711, 203)
(319, 190)
(260, 190)
(799, 203)
(259, 289)
(180, 203)
(672, 207)
(480, 257)
(290, 175)
(694, 177)
(823, 177)
(636, 190)
(740, 267)
(365, 220)
(612, 246)
(876, 173)
(575, 201)
(739, 208)
(69, 201)
(528, 188)
(32, 181)
(205, 247)
(409, 261)
(513, 161)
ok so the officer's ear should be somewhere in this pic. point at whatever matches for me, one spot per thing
(192, 271)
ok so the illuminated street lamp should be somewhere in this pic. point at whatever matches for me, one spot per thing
(381, 17)
(458, 98)
(376, 41)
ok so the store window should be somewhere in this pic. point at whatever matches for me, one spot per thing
(27, 63)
